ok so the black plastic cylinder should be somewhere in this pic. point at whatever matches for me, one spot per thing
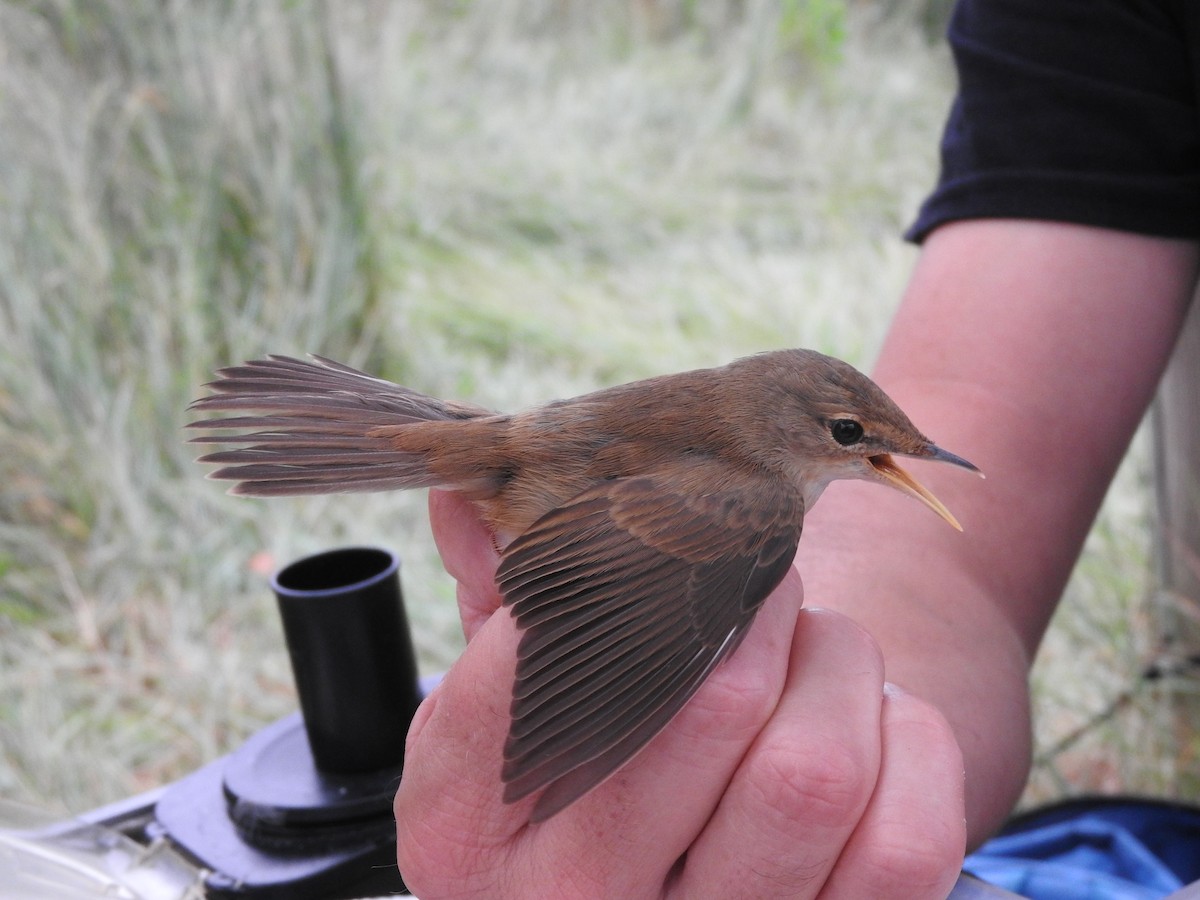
(352, 656)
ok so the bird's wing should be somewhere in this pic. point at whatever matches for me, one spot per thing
(628, 596)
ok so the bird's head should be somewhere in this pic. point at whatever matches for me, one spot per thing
(831, 421)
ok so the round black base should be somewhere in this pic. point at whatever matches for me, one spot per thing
(279, 800)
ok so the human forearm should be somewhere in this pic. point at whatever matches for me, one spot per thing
(1032, 349)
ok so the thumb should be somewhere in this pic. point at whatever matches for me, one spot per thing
(468, 551)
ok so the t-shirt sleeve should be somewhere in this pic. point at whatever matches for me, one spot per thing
(1073, 110)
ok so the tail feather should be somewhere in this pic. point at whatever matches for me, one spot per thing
(269, 479)
(326, 432)
(249, 457)
(323, 428)
(324, 389)
(304, 487)
(299, 409)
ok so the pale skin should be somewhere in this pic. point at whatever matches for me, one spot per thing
(827, 757)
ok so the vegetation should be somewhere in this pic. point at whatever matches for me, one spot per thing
(503, 202)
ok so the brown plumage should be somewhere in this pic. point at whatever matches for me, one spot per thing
(643, 525)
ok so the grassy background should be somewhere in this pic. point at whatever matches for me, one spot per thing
(505, 202)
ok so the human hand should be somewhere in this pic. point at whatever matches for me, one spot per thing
(794, 771)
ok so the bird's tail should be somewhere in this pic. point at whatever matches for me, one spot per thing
(319, 427)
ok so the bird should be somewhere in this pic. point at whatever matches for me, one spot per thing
(640, 526)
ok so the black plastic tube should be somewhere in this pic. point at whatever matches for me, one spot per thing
(352, 656)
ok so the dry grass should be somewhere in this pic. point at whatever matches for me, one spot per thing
(505, 201)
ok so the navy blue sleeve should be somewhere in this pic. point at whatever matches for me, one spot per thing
(1073, 110)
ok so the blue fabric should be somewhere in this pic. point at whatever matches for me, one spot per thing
(1094, 850)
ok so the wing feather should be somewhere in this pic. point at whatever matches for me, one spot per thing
(628, 596)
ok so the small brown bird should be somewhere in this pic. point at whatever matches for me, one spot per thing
(643, 525)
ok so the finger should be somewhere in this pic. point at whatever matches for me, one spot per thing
(625, 837)
(912, 838)
(799, 793)
(452, 828)
(468, 552)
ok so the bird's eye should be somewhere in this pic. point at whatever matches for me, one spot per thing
(846, 431)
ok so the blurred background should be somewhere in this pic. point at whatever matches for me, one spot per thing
(504, 202)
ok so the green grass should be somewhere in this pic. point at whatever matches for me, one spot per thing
(501, 202)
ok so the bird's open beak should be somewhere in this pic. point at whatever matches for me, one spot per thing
(890, 472)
